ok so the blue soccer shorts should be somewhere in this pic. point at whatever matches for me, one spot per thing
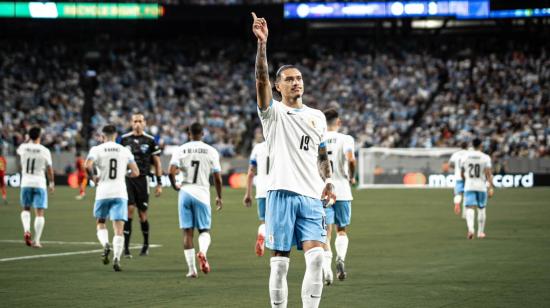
(339, 213)
(35, 197)
(112, 208)
(292, 219)
(475, 198)
(261, 208)
(192, 212)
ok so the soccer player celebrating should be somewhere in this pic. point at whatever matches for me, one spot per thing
(197, 160)
(454, 162)
(340, 149)
(3, 168)
(81, 176)
(299, 164)
(476, 172)
(112, 161)
(259, 166)
(36, 161)
(145, 150)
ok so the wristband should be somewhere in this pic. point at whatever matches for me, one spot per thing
(159, 180)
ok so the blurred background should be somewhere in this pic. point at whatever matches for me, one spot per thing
(412, 80)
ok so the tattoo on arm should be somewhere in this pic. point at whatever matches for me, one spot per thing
(324, 164)
(261, 63)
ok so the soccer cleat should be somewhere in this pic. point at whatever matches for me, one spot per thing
(481, 235)
(328, 277)
(127, 254)
(36, 245)
(192, 275)
(341, 270)
(28, 238)
(116, 265)
(105, 254)
(470, 235)
(205, 267)
(144, 250)
(260, 245)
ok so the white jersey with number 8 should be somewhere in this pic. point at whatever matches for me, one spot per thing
(197, 160)
(35, 158)
(111, 161)
(474, 164)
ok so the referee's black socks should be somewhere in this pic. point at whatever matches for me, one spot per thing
(127, 233)
(145, 231)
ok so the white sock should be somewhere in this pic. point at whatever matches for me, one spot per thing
(39, 222)
(341, 244)
(261, 230)
(103, 236)
(327, 261)
(190, 259)
(204, 242)
(470, 215)
(481, 216)
(278, 287)
(312, 286)
(118, 245)
(463, 211)
(26, 220)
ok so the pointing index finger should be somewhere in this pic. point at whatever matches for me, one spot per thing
(254, 16)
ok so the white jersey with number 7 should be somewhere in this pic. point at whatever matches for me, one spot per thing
(197, 160)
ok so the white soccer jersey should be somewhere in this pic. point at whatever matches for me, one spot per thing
(197, 160)
(337, 147)
(35, 158)
(293, 137)
(111, 161)
(474, 164)
(260, 160)
(455, 160)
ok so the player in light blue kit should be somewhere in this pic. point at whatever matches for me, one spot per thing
(36, 160)
(259, 169)
(112, 161)
(299, 176)
(197, 161)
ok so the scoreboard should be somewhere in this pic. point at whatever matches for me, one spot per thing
(84, 10)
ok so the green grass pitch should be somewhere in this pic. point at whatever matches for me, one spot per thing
(407, 249)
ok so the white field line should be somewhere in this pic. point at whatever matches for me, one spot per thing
(83, 252)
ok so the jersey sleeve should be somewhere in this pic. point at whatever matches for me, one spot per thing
(92, 155)
(155, 148)
(349, 145)
(323, 143)
(175, 159)
(254, 157)
(215, 162)
(48, 157)
(19, 150)
(129, 155)
(270, 114)
(488, 162)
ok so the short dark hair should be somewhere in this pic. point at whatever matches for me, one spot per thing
(195, 129)
(109, 130)
(464, 144)
(331, 115)
(476, 143)
(282, 69)
(35, 132)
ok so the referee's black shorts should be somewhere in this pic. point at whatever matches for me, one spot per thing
(138, 192)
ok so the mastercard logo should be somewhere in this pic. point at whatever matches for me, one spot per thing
(414, 178)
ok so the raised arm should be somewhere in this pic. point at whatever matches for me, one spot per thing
(263, 86)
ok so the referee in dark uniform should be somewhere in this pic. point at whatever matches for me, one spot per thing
(146, 151)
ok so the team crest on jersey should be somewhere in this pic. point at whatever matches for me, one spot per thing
(144, 148)
(312, 123)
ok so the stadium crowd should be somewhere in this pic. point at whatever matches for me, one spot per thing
(381, 92)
